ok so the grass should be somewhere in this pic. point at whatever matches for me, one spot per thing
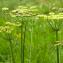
(37, 41)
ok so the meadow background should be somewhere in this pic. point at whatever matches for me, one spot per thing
(27, 35)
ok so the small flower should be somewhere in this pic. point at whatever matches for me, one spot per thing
(5, 8)
(14, 11)
(57, 43)
(60, 13)
(33, 7)
(12, 15)
(51, 13)
(10, 23)
(43, 16)
(6, 29)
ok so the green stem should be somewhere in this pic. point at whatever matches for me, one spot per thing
(31, 40)
(23, 29)
(11, 48)
(57, 47)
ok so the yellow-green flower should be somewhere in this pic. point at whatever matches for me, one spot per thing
(5, 8)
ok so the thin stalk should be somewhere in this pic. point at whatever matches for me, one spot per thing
(23, 30)
(57, 48)
(58, 58)
(31, 43)
(22, 45)
(11, 48)
(56, 29)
